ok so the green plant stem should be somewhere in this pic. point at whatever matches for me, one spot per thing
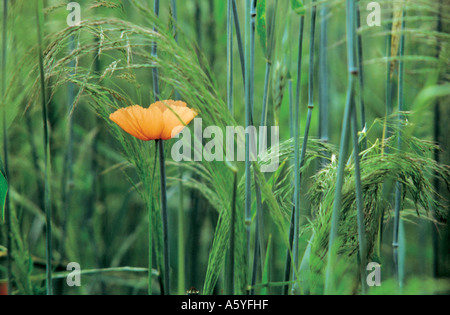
(398, 185)
(181, 238)
(305, 141)
(361, 77)
(437, 138)
(239, 38)
(47, 203)
(67, 182)
(359, 202)
(164, 217)
(150, 224)
(270, 48)
(155, 55)
(5, 146)
(162, 167)
(323, 76)
(175, 17)
(230, 81)
(230, 273)
(248, 113)
(296, 156)
(353, 72)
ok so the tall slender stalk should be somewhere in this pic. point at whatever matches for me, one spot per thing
(175, 17)
(181, 240)
(5, 145)
(162, 167)
(181, 235)
(270, 48)
(305, 138)
(359, 45)
(353, 72)
(68, 161)
(230, 81)
(47, 198)
(155, 55)
(248, 118)
(323, 75)
(239, 38)
(164, 216)
(296, 155)
(437, 139)
(359, 202)
(230, 271)
(257, 250)
(398, 186)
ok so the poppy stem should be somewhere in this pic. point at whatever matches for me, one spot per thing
(164, 217)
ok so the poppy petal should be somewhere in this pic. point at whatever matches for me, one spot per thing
(127, 119)
(175, 120)
(164, 105)
(152, 123)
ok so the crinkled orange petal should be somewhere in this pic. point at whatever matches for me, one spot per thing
(175, 120)
(162, 120)
(151, 123)
(127, 119)
(164, 105)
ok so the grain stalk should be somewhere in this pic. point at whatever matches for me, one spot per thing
(239, 38)
(398, 185)
(296, 129)
(248, 120)
(437, 138)
(305, 141)
(359, 44)
(323, 76)
(162, 167)
(230, 81)
(47, 198)
(349, 107)
(7, 211)
(231, 265)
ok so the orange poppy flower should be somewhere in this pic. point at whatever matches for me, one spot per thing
(163, 120)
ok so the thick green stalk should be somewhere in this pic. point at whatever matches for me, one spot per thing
(155, 75)
(270, 48)
(359, 203)
(248, 114)
(257, 250)
(398, 186)
(230, 82)
(361, 77)
(230, 270)
(162, 167)
(47, 202)
(181, 238)
(239, 38)
(164, 216)
(175, 17)
(67, 182)
(437, 138)
(305, 139)
(181, 235)
(323, 76)
(5, 146)
(353, 71)
(296, 128)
